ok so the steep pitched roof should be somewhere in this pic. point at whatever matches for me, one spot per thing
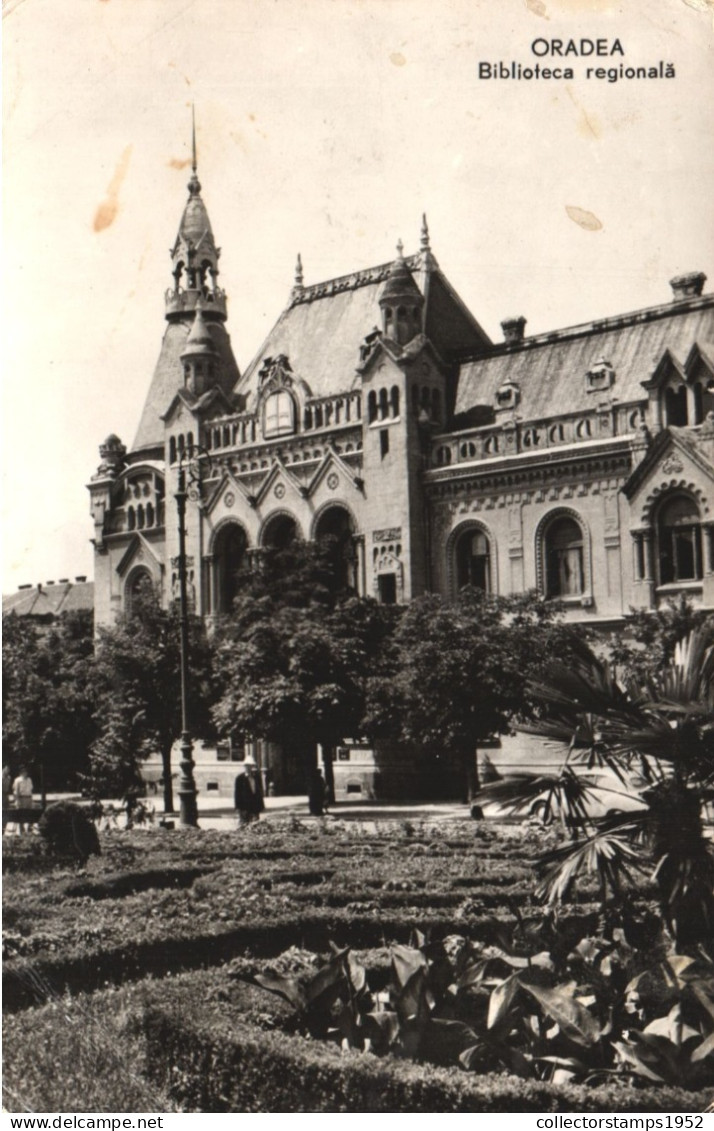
(168, 379)
(550, 369)
(47, 601)
(322, 327)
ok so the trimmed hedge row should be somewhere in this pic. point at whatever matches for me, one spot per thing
(217, 1067)
(130, 883)
(26, 983)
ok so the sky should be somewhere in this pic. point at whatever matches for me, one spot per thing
(325, 127)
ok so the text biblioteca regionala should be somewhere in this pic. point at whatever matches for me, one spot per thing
(553, 61)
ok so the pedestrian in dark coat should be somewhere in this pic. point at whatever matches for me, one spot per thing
(317, 797)
(248, 794)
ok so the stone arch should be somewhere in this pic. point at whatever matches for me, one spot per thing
(652, 503)
(577, 562)
(139, 579)
(465, 529)
(677, 521)
(336, 520)
(275, 531)
(229, 556)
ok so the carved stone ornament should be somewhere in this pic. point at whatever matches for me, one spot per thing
(333, 481)
(279, 490)
(276, 373)
(391, 534)
(672, 465)
(229, 499)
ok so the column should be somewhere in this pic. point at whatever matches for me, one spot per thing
(647, 555)
(358, 540)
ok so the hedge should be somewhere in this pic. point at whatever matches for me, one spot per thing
(218, 1067)
(268, 936)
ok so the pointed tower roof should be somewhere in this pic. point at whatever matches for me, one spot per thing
(195, 228)
(400, 283)
(199, 340)
(195, 312)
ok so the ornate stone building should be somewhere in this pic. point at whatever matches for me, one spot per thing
(579, 462)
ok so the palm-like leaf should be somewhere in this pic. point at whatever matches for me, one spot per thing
(663, 732)
(612, 852)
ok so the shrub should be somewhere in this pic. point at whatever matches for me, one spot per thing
(68, 831)
(219, 1067)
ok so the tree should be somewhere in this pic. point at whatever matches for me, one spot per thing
(295, 655)
(657, 737)
(137, 688)
(47, 697)
(647, 644)
(460, 670)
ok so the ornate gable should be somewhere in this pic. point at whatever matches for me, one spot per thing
(139, 552)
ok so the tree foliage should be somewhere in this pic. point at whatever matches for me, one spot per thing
(647, 644)
(47, 697)
(295, 655)
(460, 669)
(137, 680)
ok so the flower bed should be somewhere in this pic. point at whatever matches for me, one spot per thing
(156, 905)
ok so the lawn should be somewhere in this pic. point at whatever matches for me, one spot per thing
(128, 984)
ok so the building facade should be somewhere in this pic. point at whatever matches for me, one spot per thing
(579, 463)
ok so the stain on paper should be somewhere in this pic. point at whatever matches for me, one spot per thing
(589, 124)
(179, 163)
(397, 58)
(107, 210)
(585, 219)
(538, 8)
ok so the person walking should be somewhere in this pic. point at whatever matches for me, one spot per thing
(248, 794)
(317, 797)
(22, 789)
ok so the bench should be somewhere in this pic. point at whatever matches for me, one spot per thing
(15, 816)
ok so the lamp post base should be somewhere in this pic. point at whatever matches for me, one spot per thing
(187, 786)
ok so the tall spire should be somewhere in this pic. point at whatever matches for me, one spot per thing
(194, 256)
(194, 185)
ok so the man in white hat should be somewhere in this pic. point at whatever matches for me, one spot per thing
(248, 793)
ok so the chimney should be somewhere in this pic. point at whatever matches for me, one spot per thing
(513, 329)
(28, 586)
(82, 577)
(688, 286)
(64, 581)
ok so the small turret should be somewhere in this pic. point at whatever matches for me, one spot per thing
(401, 302)
(199, 356)
(194, 256)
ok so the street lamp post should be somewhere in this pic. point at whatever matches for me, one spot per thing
(187, 785)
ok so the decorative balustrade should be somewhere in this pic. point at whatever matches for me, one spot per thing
(179, 300)
(517, 437)
(333, 411)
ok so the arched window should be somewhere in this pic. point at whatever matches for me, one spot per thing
(473, 560)
(139, 587)
(279, 414)
(675, 405)
(229, 560)
(679, 536)
(280, 532)
(372, 407)
(564, 559)
(394, 400)
(334, 529)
